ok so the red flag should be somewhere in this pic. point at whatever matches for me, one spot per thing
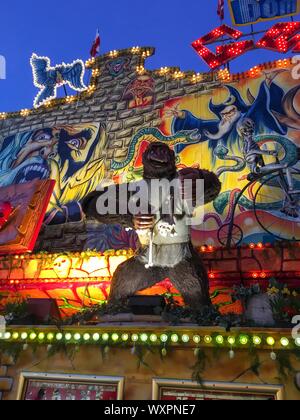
(96, 45)
(221, 12)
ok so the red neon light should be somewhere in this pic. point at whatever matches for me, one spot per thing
(282, 37)
(224, 53)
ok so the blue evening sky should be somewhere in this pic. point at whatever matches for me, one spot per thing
(64, 30)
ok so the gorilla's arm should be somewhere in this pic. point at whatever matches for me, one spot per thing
(118, 204)
(212, 184)
(92, 211)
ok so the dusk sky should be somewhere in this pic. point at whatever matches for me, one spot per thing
(64, 30)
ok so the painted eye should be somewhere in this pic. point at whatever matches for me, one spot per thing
(74, 143)
(43, 136)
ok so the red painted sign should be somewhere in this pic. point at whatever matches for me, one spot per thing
(282, 37)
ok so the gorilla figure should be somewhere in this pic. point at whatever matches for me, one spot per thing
(166, 250)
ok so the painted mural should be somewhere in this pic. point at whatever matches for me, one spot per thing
(70, 155)
(140, 92)
(249, 134)
(117, 66)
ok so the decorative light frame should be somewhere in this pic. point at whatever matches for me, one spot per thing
(258, 389)
(78, 379)
(64, 82)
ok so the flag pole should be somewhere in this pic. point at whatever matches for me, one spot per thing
(95, 49)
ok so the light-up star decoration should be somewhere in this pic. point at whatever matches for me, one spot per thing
(48, 78)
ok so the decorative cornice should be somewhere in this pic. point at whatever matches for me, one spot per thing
(192, 77)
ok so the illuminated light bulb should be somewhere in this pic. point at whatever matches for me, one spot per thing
(257, 340)
(68, 336)
(212, 275)
(270, 341)
(231, 340)
(24, 112)
(164, 338)
(153, 338)
(115, 337)
(24, 336)
(284, 342)
(174, 338)
(273, 356)
(197, 339)
(244, 340)
(203, 248)
(125, 337)
(252, 246)
(134, 338)
(7, 336)
(220, 339)
(255, 275)
(32, 336)
(15, 336)
(297, 341)
(207, 339)
(96, 337)
(144, 337)
(185, 338)
(41, 336)
(77, 337)
(105, 337)
(86, 337)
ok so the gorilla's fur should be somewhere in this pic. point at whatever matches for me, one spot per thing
(189, 276)
(159, 162)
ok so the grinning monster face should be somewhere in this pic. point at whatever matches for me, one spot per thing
(62, 266)
(24, 157)
(71, 155)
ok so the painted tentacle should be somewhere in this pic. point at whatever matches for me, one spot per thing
(221, 152)
(182, 137)
(291, 156)
(221, 202)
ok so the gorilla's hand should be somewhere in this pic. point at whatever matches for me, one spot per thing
(143, 222)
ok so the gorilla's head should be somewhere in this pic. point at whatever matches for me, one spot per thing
(159, 162)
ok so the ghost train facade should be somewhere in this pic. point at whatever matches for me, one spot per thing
(233, 291)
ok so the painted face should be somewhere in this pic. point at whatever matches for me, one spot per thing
(140, 87)
(75, 149)
(62, 266)
(229, 116)
(51, 152)
(31, 160)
